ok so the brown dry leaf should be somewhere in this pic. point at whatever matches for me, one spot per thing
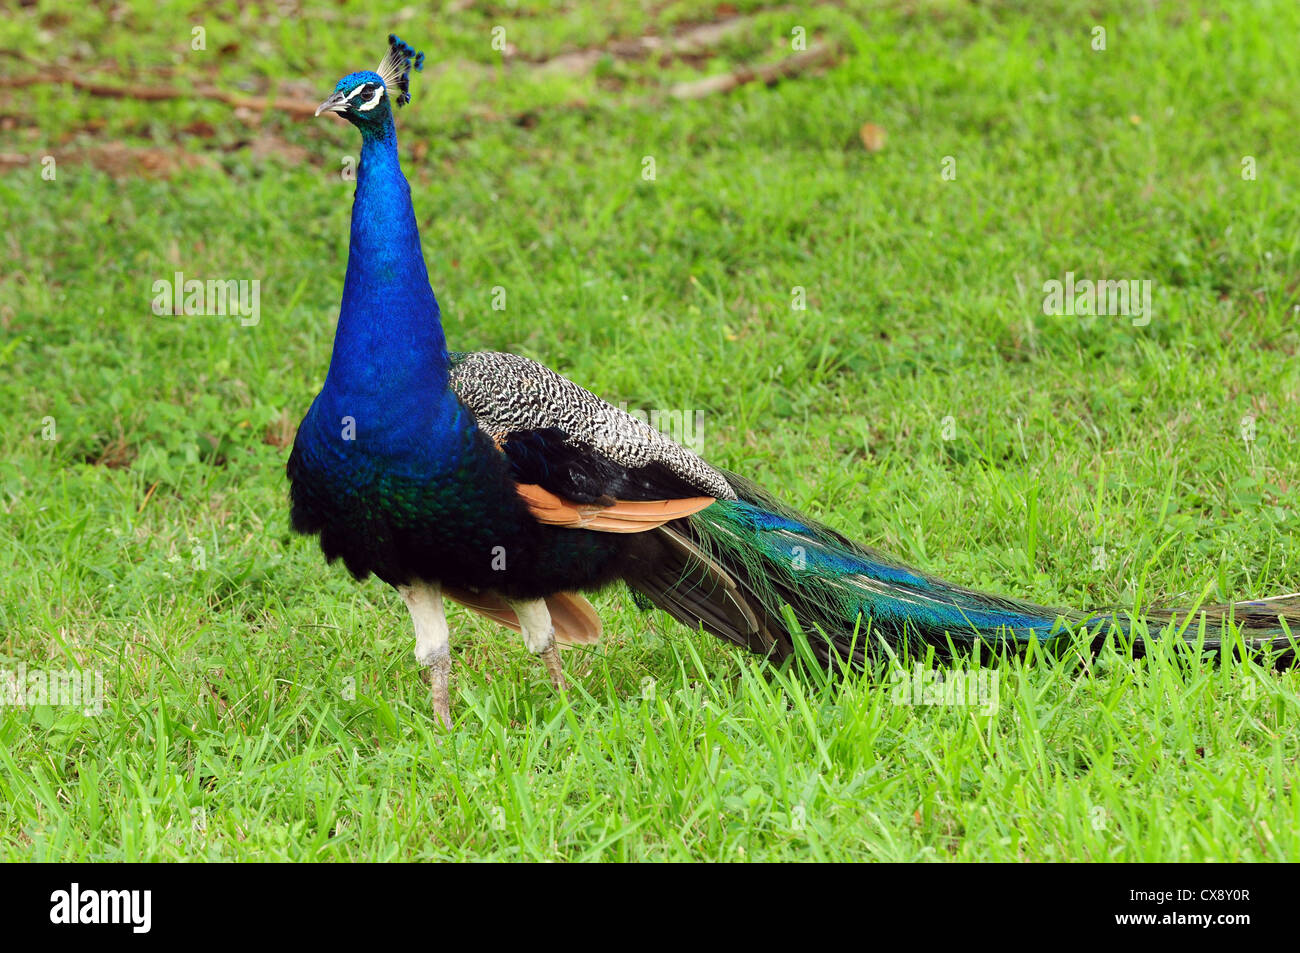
(117, 454)
(279, 433)
(873, 137)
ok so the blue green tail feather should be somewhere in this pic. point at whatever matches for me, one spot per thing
(839, 589)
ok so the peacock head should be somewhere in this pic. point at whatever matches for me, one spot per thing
(366, 99)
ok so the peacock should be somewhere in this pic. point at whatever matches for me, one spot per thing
(490, 480)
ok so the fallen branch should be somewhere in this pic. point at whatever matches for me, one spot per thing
(694, 41)
(818, 54)
(298, 108)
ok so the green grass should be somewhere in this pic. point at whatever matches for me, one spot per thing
(261, 706)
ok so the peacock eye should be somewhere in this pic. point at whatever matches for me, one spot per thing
(368, 96)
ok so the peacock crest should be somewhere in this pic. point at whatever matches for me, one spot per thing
(395, 68)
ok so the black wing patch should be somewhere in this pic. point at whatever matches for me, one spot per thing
(547, 458)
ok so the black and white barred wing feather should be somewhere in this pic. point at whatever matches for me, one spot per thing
(567, 440)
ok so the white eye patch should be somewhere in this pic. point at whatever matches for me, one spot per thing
(373, 101)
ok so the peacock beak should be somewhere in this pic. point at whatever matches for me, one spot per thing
(337, 103)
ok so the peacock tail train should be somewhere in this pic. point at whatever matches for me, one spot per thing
(849, 600)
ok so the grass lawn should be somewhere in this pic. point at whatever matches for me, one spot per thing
(259, 706)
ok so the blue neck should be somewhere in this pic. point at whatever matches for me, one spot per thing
(389, 366)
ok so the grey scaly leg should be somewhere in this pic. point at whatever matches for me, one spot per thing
(539, 636)
(432, 641)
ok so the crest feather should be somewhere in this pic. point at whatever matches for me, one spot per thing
(395, 69)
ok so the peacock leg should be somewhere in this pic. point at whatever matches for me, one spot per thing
(432, 642)
(539, 636)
